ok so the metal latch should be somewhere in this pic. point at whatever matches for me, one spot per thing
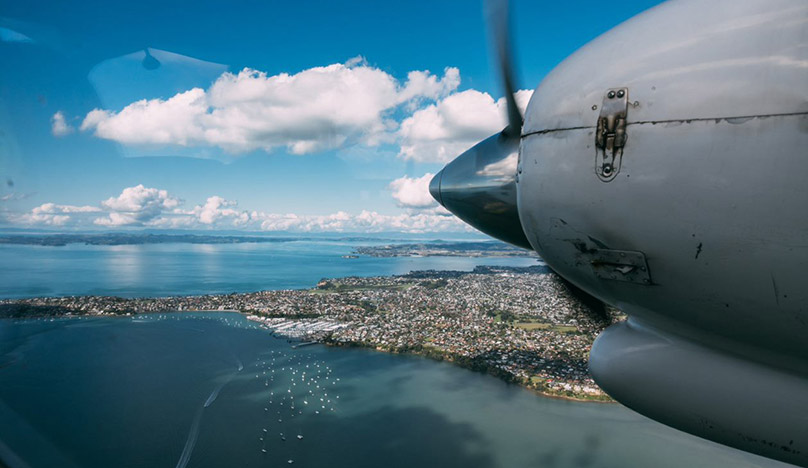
(610, 137)
(620, 265)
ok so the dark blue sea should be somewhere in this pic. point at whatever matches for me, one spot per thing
(212, 390)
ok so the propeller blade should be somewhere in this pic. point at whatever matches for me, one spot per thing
(499, 23)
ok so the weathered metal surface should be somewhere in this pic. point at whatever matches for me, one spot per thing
(713, 231)
(709, 193)
(711, 188)
(683, 60)
(620, 265)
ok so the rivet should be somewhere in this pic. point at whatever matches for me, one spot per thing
(610, 95)
(621, 93)
(595, 107)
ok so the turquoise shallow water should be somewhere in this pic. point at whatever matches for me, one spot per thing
(198, 390)
(188, 269)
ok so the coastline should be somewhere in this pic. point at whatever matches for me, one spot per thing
(520, 325)
(508, 379)
(534, 389)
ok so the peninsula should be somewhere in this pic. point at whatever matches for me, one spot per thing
(446, 249)
(523, 325)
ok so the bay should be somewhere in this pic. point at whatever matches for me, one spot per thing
(190, 389)
(203, 390)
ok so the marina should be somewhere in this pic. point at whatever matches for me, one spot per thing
(146, 397)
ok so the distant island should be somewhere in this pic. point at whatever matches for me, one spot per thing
(523, 325)
(446, 249)
(396, 248)
(60, 240)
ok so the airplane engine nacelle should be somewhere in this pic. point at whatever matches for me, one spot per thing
(663, 168)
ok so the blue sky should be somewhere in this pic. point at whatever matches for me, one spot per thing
(298, 116)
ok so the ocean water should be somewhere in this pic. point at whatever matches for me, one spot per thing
(212, 390)
(191, 269)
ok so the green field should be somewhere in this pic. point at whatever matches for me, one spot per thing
(546, 326)
(533, 325)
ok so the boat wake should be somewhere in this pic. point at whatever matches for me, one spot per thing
(191, 442)
(215, 393)
(194, 431)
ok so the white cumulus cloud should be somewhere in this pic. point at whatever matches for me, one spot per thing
(136, 205)
(141, 206)
(51, 214)
(413, 192)
(441, 131)
(173, 121)
(217, 209)
(318, 108)
(366, 221)
(59, 126)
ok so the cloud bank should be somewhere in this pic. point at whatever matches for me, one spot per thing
(141, 206)
(317, 109)
(51, 214)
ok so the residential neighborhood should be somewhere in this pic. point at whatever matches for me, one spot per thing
(521, 324)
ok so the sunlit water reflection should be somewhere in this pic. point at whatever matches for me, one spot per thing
(189, 269)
